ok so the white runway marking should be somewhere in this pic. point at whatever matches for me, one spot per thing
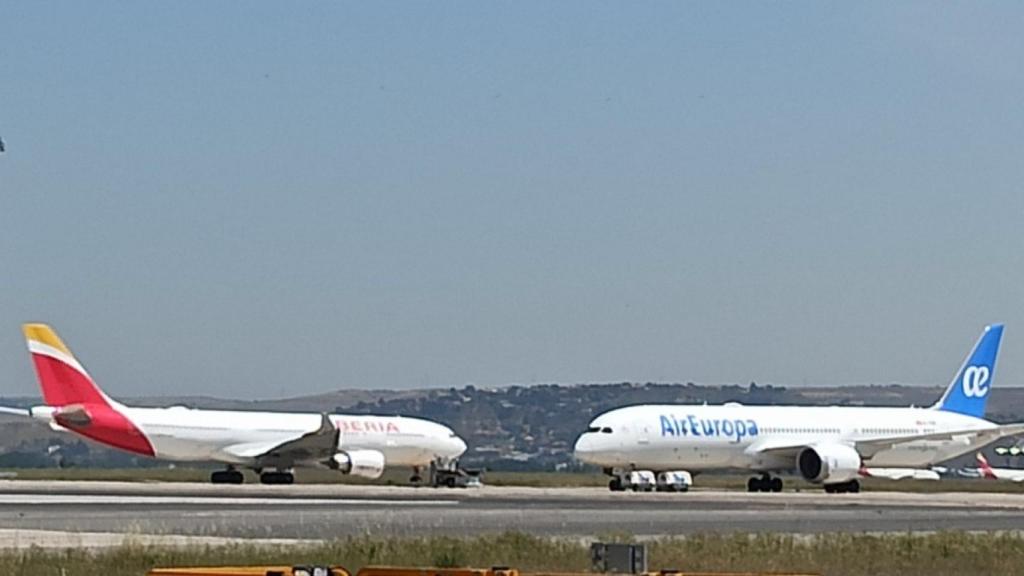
(57, 539)
(208, 500)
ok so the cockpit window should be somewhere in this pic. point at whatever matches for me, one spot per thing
(593, 429)
(606, 430)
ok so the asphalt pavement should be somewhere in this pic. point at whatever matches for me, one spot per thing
(330, 511)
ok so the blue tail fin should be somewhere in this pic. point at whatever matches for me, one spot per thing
(968, 392)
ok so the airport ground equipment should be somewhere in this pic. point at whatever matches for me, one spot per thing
(618, 558)
(674, 481)
(451, 475)
(635, 480)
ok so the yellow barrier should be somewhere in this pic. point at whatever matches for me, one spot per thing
(252, 571)
(398, 571)
(672, 573)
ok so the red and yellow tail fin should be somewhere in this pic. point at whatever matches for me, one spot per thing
(80, 405)
(984, 466)
(62, 378)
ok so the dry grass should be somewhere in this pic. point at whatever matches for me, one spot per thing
(834, 555)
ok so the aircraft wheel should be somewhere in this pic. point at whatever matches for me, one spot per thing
(754, 484)
(615, 485)
(853, 486)
(227, 477)
(277, 478)
(776, 485)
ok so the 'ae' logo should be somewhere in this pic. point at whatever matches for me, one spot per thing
(975, 382)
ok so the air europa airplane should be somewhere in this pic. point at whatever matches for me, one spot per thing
(272, 443)
(829, 445)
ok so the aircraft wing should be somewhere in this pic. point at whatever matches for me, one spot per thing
(870, 447)
(316, 446)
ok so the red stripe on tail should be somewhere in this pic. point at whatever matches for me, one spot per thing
(65, 386)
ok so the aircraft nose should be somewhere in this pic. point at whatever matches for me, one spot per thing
(585, 449)
(456, 445)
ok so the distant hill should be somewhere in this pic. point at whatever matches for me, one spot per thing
(513, 427)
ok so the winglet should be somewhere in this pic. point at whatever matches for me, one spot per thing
(326, 425)
(11, 411)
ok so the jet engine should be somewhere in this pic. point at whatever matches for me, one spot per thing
(828, 463)
(365, 463)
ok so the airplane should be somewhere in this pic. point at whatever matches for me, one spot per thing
(826, 445)
(271, 443)
(987, 471)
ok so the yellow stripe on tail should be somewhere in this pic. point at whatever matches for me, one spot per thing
(43, 334)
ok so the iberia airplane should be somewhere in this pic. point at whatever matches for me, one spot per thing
(987, 471)
(272, 443)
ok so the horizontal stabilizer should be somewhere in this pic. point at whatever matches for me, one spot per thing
(15, 411)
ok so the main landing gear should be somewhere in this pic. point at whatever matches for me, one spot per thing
(766, 483)
(233, 476)
(229, 476)
(852, 486)
(277, 477)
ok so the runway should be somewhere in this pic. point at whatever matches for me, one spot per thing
(313, 512)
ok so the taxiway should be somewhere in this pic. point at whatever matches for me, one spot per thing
(312, 512)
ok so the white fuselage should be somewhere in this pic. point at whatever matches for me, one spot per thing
(185, 434)
(688, 437)
(1009, 474)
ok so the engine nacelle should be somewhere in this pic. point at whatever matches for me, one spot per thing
(365, 463)
(828, 463)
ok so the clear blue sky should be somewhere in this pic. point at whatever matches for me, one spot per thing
(256, 200)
